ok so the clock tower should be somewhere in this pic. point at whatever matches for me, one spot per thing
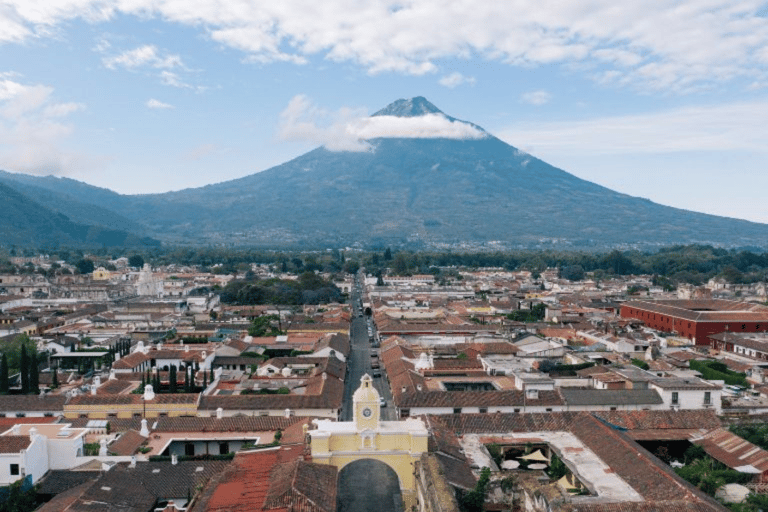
(366, 405)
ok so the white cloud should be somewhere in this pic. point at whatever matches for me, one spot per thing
(147, 55)
(33, 129)
(349, 129)
(157, 104)
(730, 127)
(456, 79)
(537, 98)
(666, 45)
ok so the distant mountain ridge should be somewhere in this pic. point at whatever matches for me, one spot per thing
(417, 192)
(28, 223)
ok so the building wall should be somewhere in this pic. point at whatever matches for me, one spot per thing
(206, 446)
(63, 453)
(697, 332)
(36, 458)
(6, 459)
(689, 398)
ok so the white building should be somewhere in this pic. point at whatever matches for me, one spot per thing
(33, 449)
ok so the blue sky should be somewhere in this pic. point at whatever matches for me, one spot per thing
(661, 99)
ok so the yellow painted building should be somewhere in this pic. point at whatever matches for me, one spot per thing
(101, 274)
(398, 444)
(148, 405)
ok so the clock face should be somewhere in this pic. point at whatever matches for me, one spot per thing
(367, 412)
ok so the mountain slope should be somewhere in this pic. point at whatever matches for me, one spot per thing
(27, 223)
(427, 192)
(65, 196)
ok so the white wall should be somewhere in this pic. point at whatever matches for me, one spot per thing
(63, 453)
(689, 398)
(36, 458)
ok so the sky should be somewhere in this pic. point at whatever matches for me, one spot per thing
(662, 99)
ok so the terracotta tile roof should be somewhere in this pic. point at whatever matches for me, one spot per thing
(14, 444)
(457, 472)
(304, 486)
(444, 440)
(650, 477)
(494, 347)
(226, 424)
(645, 420)
(130, 361)
(127, 444)
(243, 486)
(476, 398)
(707, 310)
(592, 370)
(575, 396)
(453, 364)
(652, 506)
(115, 387)
(36, 403)
(177, 398)
(6, 423)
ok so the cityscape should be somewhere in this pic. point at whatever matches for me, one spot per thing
(383, 256)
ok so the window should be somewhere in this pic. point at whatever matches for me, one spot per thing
(223, 448)
(613, 407)
(707, 397)
(404, 413)
(189, 449)
(483, 410)
(14, 469)
(457, 410)
(517, 410)
(675, 397)
(548, 409)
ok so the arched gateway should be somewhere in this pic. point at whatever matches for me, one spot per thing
(398, 444)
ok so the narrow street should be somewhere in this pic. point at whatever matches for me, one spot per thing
(359, 362)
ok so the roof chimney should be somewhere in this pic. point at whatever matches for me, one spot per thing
(32, 433)
(219, 413)
(144, 430)
(174, 459)
(149, 393)
(186, 348)
(287, 413)
(133, 462)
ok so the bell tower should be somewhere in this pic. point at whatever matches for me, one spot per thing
(366, 405)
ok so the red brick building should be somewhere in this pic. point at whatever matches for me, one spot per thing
(696, 319)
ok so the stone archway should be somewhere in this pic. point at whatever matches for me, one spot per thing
(368, 485)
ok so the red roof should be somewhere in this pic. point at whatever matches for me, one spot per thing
(245, 484)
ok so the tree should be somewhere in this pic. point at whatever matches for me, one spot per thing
(387, 254)
(172, 379)
(24, 369)
(136, 261)
(84, 266)
(4, 384)
(34, 376)
(473, 500)
(55, 382)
